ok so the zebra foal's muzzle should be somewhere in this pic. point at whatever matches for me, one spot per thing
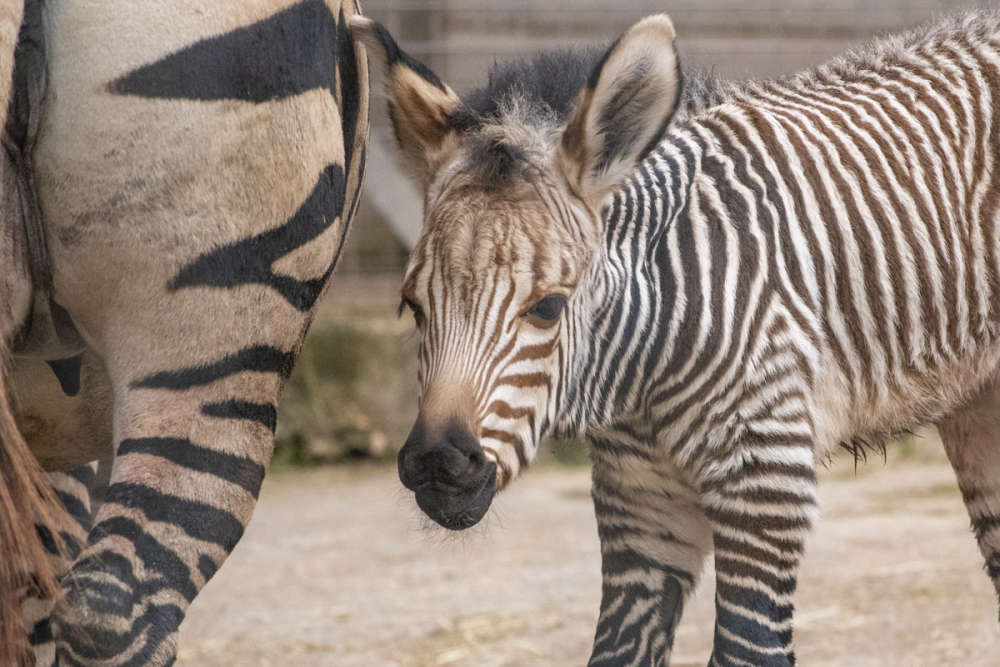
(452, 478)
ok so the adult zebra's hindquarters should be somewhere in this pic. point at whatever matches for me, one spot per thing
(796, 263)
(197, 183)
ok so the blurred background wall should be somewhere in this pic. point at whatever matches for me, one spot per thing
(353, 393)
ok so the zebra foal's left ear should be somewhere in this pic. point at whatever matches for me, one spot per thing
(624, 109)
(420, 104)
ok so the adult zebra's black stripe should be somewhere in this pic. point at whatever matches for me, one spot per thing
(76, 508)
(41, 632)
(249, 261)
(207, 567)
(85, 475)
(262, 413)
(239, 470)
(269, 60)
(259, 358)
(48, 539)
(197, 519)
(154, 556)
(69, 546)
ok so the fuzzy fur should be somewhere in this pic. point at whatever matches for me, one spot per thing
(800, 262)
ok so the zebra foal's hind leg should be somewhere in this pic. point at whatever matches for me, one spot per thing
(971, 438)
(654, 539)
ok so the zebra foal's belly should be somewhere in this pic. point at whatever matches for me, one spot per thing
(895, 403)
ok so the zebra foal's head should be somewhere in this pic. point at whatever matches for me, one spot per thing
(514, 179)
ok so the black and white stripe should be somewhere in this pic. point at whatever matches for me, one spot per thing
(796, 264)
(813, 261)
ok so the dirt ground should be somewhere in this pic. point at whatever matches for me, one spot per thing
(338, 568)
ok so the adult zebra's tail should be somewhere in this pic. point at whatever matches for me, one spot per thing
(25, 495)
(31, 518)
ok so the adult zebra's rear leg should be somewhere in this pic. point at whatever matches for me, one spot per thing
(971, 438)
(75, 491)
(654, 540)
(195, 216)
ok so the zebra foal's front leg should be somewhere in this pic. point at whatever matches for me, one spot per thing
(760, 513)
(654, 539)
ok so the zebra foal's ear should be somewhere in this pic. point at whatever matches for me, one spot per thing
(420, 104)
(624, 109)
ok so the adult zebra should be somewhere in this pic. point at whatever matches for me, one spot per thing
(179, 180)
(715, 292)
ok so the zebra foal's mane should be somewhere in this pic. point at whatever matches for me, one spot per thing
(541, 91)
(546, 86)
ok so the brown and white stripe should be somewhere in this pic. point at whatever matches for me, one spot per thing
(788, 265)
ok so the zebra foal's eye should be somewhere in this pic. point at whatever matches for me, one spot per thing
(547, 309)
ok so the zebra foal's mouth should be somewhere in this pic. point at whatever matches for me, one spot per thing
(457, 508)
(453, 479)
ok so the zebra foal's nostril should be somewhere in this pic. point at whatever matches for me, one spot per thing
(450, 456)
(412, 471)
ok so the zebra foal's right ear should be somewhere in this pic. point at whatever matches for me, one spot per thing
(420, 104)
(624, 109)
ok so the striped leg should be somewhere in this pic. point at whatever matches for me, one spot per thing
(971, 438)
(183, 486)
(760, 515)
(74, 491)
(191, 239)
(654, 539)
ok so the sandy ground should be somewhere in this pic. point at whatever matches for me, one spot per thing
(338, 568)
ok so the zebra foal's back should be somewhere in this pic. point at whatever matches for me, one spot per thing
(872, 181)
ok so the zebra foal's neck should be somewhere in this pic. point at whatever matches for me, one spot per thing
(847, 213)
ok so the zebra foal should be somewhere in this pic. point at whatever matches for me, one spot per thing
(716, 284)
